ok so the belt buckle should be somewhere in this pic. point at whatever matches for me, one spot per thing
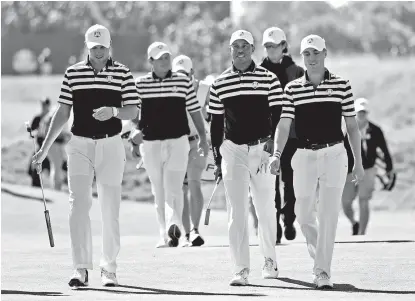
(314, 146)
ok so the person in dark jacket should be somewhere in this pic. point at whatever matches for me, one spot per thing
(279, 62)
(372, 140)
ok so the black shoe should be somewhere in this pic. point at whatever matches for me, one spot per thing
(290, 233)
(174, 235)
(355, 228)
(197, 240)
(279, 233)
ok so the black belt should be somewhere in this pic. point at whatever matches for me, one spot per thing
(258, 141)
(194, 137)
(97, 137)
(317, 146)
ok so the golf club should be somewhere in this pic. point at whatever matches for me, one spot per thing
(207, 214)
(39, 172)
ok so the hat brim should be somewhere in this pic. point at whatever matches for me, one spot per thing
(90, 45)
(178, 68)
(160, 54)
(269, 40)
(232, 41)
(313, 47)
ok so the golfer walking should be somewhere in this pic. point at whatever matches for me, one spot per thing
(101, 92)
(318, 101)
(240, 102)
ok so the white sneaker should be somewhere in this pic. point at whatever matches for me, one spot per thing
(108, 278)
(240, 278)
(322, 281)
(79, 278)
(270, 270)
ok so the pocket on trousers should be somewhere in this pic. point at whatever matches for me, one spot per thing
(337, 166)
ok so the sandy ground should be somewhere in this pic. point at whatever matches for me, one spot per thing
(378, 266)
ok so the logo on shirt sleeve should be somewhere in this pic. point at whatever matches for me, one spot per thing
(174, 89)
(329, 92)
(255, 85)
(109, 78)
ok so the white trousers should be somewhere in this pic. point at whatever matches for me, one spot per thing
(166, 164)
(319, 178)
(105, 158)
(245, 167)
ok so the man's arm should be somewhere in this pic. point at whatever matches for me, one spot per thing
(283, 128)
(275, 97)
(216, 111)
(199, 124)
(130, 98)
(60, 117)
(384, 147)
(354, 138)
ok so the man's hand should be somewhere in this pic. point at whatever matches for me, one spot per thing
(269, 146)
(358, 173)
(203, 147)
(136, 139)
(274, 165)
(103, 113)
(38, 158)
(218, 172)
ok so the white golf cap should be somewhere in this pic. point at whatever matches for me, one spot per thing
(312, 41)
(157, 49)
(97, 35)
(361, 104)
(242, 35)
(182, 62)
(273, 35)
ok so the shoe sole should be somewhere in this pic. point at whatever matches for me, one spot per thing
(238, 284)
(110, 284)
(76, 283)
(198, 241)
(174, 234)
(324, 287)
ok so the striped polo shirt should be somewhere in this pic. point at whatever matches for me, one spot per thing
(245, 98)
(318, 111)
(85, 91)
(164, 103)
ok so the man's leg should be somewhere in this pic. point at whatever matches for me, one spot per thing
(349, 194)
(365, 195)
(186, 209)
(332, 177)
(289, 196)
(80, 176)
(109, 175)
(151, 153)
(175, 155)
(305, 181)
(236, 182)
(262, 187)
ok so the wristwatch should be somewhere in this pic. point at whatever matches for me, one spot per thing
(115, 111)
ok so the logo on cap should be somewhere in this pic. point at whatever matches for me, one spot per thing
(270, 33)
(329, 92)
(255, 85)
(310, 40)
(241, 34)
(160, 47)
(97, 34)
(109, 78)
(180, 62)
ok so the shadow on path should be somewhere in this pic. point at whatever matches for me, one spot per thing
(16, 292)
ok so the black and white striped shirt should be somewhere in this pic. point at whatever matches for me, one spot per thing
(318, 111)
(245, 100)
(85, 91)
(163, 105)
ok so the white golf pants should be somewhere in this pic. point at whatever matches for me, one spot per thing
(319, 178)
(245, 167)
(166, 165)
(105, 157)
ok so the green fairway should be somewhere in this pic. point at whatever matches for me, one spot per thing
(379, 266)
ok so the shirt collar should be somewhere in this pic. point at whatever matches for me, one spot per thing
(110, 62)
(251, 68)
(327, 76)
(169, 74)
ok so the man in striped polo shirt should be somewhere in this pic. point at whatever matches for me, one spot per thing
(101, 93)
(318, 101)
(165, 98)
(192, 210)
(240, 104)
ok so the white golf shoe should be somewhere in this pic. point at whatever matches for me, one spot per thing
(240, 278)
(108, 278)
(322, 281)
(270, 270)
(79, 278)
